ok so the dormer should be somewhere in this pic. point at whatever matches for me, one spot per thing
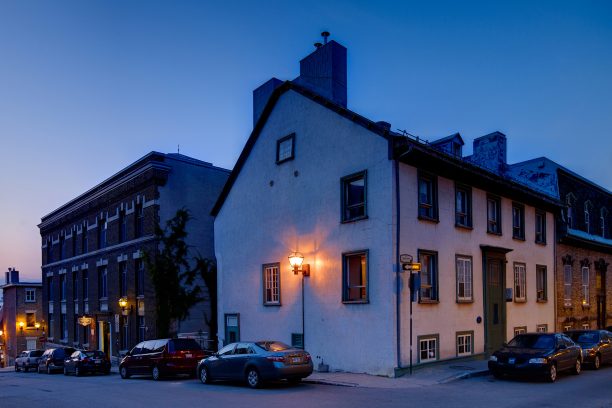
(452, 145)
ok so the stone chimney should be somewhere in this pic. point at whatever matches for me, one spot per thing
(490, 152)
(324, 72)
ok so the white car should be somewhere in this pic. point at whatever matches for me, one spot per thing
(28, 359)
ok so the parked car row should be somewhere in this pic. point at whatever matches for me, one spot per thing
(544, 355)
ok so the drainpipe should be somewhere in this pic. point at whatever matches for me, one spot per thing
(398, 291)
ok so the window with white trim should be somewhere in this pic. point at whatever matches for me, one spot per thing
(464, 344)
(520, 284)
(429, 276)
(354, 196)
(518, 221)
(271, 283)
(586, 326)
(355, 277)
(541, 282)
(494, 215)
(464, 279)
(540, 227)
(428, 348)
(567, 328)
(30, 295)
(520, 330)
(585, 285)
(567, 285)
(285, 148)
(542, 328)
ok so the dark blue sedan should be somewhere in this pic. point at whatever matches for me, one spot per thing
(255, 363)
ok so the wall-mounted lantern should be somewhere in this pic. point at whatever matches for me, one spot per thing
(123, 303)
(296, 260)
(21, 324)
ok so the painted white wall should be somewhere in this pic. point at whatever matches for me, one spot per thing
(448, 317)
(261, 223)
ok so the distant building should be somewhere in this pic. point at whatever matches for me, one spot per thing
(353, 197)
(584, 243)
(21, 318)
(92, 251)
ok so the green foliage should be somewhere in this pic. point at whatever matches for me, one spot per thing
(172, 274)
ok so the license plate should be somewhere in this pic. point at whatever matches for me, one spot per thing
(296, 360)
(511, 360)
(97, 361)
(188, 355)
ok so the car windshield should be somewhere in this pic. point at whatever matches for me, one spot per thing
(184, 345)
(36, 353)
(584, 337)
(534, 341)
(273, 345)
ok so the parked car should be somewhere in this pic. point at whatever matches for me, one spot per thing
(537, 354)
(162, 357)
(83, 362)
(596, 346)
(255, 363)
(28, 359)
(53, 359)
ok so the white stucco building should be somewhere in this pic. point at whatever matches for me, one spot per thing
(352, 196)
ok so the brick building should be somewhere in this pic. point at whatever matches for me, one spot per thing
(21, 317)
(92, 251)
(583, 246)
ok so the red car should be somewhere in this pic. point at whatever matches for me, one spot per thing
(162, 357)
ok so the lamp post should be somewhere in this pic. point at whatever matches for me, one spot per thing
(296, 260)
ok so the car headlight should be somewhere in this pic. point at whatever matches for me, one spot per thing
(493, 358)
(537, 361)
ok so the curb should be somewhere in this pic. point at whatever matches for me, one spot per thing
(328, 382)
(463, 376)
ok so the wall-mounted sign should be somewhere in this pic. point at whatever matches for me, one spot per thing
(405, 258)
(85, 321)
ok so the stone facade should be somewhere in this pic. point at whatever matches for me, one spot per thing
(21, 318)
(92, 251)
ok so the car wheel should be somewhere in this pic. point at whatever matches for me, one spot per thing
(77, 371)
(552, 374)
(124, 373)
(252, 378)
(204, 375)
(155, 373)
(16, 368)
(498, 375)
(577, 367)
(597, 362)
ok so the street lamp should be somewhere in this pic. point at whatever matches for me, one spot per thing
(123, 302)
(21, 324)
(296, 260)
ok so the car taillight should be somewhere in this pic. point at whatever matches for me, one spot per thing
(85, 360)
(277, 359)
(307, 358)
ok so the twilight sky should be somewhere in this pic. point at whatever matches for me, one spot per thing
(87, 87)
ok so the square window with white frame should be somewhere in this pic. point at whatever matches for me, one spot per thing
(567, 328)
(30, 295)
(428, 348)
(271, 284)
(542, 328)
(464, 279)
(494, 215)
(520, 330)
(285, 149)
(465, 343)
(586, 326)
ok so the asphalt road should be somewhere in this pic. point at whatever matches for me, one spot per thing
(589, 389)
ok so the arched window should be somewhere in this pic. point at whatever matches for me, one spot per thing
(569, 202)
(603, 215)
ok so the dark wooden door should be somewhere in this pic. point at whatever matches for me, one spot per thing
(494, 306)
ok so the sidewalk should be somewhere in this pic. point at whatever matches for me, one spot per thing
(439, 373)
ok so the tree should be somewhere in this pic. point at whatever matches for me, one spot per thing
(173, 274)
(208, 272)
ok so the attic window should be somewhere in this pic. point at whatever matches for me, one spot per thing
(456, 149)
(285, 149)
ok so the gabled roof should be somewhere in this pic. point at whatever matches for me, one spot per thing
(454, 137)
(374, 127)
